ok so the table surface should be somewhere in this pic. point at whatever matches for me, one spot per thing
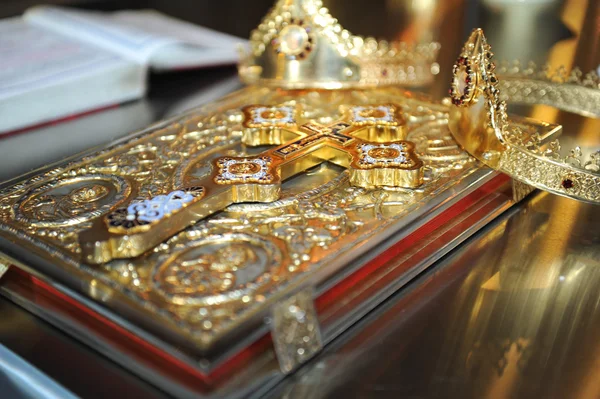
(513, 312)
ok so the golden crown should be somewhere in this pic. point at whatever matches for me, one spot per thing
(300, 45)
(480, 124)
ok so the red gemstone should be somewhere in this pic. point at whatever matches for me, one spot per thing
(567, 184)
(384, 72)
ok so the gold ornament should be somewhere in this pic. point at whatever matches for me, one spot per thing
(479, 121)
(300, 45)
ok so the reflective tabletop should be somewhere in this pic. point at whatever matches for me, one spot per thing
(514, 312)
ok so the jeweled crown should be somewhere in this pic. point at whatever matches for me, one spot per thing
(531, 154)
(300, 45)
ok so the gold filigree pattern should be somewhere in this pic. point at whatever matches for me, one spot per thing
(573, 92)
(549, 176)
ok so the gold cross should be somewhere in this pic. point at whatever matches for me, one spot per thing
(368, 141)
(316, 133)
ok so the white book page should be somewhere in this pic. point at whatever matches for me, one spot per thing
(193, 45)
(146, 36)
(31, 57)
(161, 25)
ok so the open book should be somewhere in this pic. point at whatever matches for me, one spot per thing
(57, 62)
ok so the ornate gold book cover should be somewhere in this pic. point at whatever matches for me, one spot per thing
(213, 277)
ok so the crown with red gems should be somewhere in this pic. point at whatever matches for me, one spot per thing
(300, 45)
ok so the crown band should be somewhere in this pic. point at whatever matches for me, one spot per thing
(573, 92)
(300, 45)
